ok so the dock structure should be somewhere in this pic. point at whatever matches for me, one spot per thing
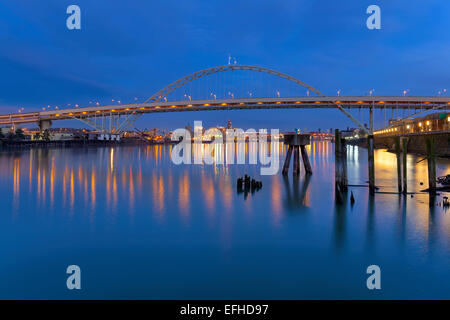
(297, 143)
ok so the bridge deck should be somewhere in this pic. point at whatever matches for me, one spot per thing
(363, 102)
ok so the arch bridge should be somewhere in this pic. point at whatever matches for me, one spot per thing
(119, 118)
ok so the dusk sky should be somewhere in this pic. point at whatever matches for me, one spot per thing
(128, 49)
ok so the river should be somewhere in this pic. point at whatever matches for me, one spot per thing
(142, 227)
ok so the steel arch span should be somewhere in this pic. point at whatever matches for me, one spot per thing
(158, 96)
(231, 67)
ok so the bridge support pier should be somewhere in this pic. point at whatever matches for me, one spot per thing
(44, 125)
(295, 143)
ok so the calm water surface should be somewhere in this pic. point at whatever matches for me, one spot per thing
(140, 226)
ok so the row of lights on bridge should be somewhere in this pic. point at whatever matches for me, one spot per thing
(231, 94)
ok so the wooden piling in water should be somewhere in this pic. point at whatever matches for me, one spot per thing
(398, 151)
(343, 151)
(337, 159)
(287, 161)
(431, 156)
(305, 158)
(296, 168)
(405, 153)
(370, 151)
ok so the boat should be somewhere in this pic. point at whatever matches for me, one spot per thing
(444, 180)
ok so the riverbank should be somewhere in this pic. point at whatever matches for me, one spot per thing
(71, 143)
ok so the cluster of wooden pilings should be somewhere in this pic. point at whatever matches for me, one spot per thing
(297, 143)
(401, 151)
(246, 185)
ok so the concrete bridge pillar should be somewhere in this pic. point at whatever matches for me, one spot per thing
(44, 125)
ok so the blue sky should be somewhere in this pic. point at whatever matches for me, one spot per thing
(129, 49)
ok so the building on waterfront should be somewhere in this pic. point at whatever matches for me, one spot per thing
(435, 122)
(5, 131)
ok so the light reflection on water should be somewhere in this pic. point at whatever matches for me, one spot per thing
(182, 231)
